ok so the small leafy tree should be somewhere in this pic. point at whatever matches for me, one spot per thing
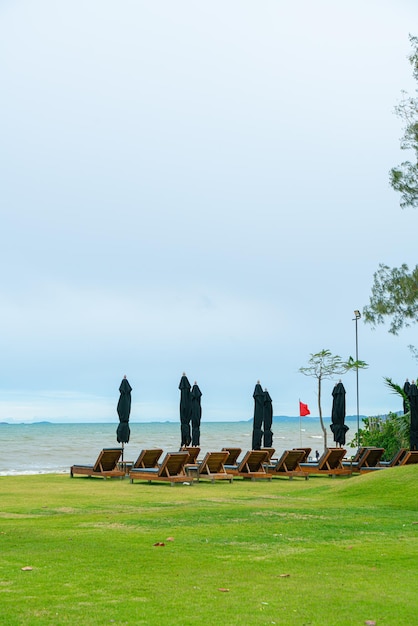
(394, 295)
(395, 290)
(325, 365)
(398, 390)
(404, 177)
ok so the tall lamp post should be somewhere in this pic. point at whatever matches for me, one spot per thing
(357, 316)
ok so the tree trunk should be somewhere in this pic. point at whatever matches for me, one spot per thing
(324, 430)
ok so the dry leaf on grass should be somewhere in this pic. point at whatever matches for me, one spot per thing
(284, 575)
(370, 622)
(159, 543)
(223, 589)
(170, 539)
(27, 568)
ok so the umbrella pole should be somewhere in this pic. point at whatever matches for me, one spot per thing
(123, 448)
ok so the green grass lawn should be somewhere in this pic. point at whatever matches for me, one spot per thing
(321, 552)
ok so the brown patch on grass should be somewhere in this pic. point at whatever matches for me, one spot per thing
(6, 515)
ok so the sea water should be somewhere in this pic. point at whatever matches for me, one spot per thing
(53, 448)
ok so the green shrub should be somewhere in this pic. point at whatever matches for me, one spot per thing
(390, 432)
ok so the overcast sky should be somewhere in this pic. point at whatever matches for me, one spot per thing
(198, 187)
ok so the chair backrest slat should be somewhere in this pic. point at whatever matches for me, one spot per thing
(148, 458)
(306, 453)
(332, 459)
(253, 461)
(107, 460)
(371, 457)
(410, 458)
(173, 464)
(213, 463)
(270, 451)
(233, 455)
(193, 453)
(289, 461)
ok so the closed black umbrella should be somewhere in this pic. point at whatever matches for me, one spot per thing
(123, 431)
(338, 426)
(406, 387)
(413, 405)
(196, 413)
(185, 411)
(267, 420)
(258, 396)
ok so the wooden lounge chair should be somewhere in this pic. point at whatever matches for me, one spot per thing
(252, 465)
(212, 467)
(306, 453)
(357, 456)
(193, 454)
(288, 465)
(368, 461)
(148, 458)
(233, 455)
(170, 470)
(410, 458)
(270, 451)
(106, 465)
(330, 463)
(396, 459)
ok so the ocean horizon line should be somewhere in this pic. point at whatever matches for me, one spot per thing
(276, 419)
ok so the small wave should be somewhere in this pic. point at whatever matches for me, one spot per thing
(32, 472)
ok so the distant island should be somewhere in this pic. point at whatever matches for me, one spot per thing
(23, 423)
(278, 418)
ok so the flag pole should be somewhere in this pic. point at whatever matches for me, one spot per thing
(300, 425)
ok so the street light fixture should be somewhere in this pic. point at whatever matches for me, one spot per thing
(357, 316)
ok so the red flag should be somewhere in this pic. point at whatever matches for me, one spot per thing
(303, 409)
